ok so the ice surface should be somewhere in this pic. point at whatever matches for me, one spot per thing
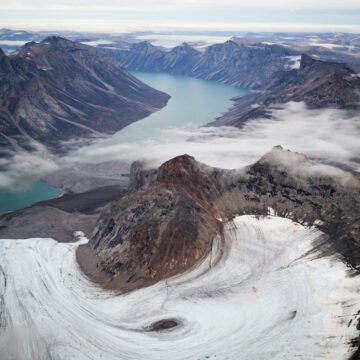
(266, 298)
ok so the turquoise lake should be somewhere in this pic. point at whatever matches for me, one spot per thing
(193, 103)
(38, 191)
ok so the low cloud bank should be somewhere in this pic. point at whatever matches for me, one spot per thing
(25, 167)
(330, 136)
(326, 135)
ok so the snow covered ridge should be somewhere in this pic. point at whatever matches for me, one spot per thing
(267, 297)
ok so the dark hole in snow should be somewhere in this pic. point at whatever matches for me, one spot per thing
(165, 324)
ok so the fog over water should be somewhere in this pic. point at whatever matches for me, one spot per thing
(326, 135)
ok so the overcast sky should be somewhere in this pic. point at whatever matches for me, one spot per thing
(120, 15)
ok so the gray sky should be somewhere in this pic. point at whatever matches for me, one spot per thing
(122, 15)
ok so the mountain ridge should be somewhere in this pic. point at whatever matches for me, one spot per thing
(250, 66)
(58, 90)
(319, 84)
(166, 225)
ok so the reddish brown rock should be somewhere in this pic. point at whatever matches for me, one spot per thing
(166, 224)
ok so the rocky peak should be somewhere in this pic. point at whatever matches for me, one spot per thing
(61, 42)
(231, 44)
(143, 45)
(168, 226)
(278, 156)
(177, 170)
(187, 46)
(29, 45)
(200, 181)
(54, 39)
(184, 49)
(5, 65)
(58, 43)
(298, 168)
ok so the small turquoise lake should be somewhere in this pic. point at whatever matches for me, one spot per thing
(37, 191)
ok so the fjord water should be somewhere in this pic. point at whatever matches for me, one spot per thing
(38, 191)
(193, 103)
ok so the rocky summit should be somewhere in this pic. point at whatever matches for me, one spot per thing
(58, 90)
(167, 221)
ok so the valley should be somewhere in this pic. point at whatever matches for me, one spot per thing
(195, 202)
(193, 102)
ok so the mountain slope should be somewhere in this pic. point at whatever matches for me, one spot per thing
(167, 221)
(319, 84)
(246, 65)
(282, 75)
(57, 90)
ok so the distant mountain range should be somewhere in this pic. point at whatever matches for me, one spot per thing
(66, 90)
(58, 90)
(278, 73)
(250, 66)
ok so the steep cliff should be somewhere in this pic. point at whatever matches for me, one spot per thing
(58, 90)
(166, 225)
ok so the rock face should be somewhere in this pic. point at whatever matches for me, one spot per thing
(246, 65)
(57, 90)
(166, 225)
(161, 229)
(318, 84)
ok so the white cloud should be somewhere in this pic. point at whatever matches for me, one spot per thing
(121, 26)
(168, 5)
(327, 135)
(188, 15)
(25, 167)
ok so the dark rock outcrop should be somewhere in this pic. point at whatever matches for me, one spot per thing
(58, 90)
(167, 225)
